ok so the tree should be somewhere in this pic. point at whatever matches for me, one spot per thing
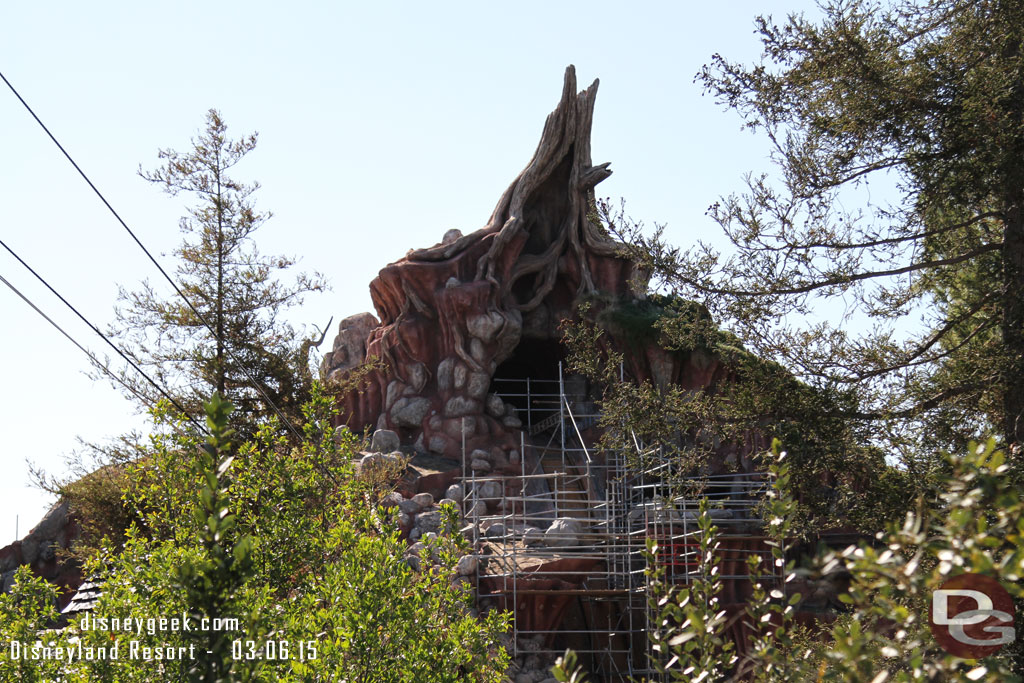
(302, 558)
(898, 132)
(228, 336)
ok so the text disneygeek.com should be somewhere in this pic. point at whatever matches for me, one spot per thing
(144, 650)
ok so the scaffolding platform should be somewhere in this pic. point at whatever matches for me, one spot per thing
(563, 546)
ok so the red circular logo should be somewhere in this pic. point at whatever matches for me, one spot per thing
(971, 616)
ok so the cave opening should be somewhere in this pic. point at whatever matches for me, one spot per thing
(535, 360)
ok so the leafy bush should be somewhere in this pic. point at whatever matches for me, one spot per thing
(287, 544)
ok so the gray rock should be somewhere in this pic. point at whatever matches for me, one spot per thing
(459, 376)
(512, 421)
(385, 441)
(416, 374)
(458, 406)
(452, 282)
(451, 236)
(454, 428)
(409, 412)
(424, 500)
(7, 581)
(404, 520)
(349, 348)
(438, 443)
(414, 561)
(380, 463)
(436, 422)
(444, 374)
(414, 534)
(489, 490)
(478, 465)
(466, 565)
(479, 382)
(394, 391)
(454, 492)
(448, 501)
(533, 537)
(513, 456)
(529, 645)
(563, 533)
(476, 350)
(485, 326)
(392, 499)
(429, 521)
(496, 530)
(409, 507)
(495, 406)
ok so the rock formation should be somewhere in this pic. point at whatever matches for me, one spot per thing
(41, 549)
(451, 314)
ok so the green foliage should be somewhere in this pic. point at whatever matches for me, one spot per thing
(567, 670)
(285, 543)
(896, 130)
(211, 582)
(25, 613)
(689, 634)
(248, 354)
(770, 608)
(837, 480)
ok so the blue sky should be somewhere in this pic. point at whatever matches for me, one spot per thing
(382, 125)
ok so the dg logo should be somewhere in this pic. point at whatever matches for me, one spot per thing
(971, 616)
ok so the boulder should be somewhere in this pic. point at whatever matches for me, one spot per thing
(532, 537)
(424, 500)
(563, 533)
(489, 490)
(466, 565)
(409, 412)
(454, 492)
(458, 406)
(495, 406)
(349, 345)
(429, 521)
(409, 507)
(380, 463)
(385, 441)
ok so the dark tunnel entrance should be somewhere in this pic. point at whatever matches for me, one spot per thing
(529, 379)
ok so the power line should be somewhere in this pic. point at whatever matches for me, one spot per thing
(92, 357)
(146, 251)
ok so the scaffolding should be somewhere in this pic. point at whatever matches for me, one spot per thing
(562, 544)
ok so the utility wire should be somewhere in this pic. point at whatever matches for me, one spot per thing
(146, 251)
(94, 329)
(145, 399)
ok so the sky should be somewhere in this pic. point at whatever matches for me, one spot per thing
(381, 126)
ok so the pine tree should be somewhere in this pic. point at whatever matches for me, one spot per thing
(228, 336)
(898, 133)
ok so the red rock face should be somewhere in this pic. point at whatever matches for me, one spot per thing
(40, 551)
(452, 313)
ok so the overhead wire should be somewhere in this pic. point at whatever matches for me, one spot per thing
(145, 399)
(153, 260)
